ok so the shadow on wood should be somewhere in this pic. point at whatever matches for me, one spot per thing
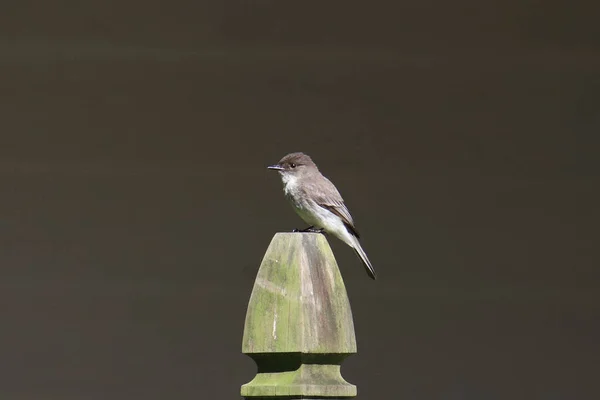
(299, 324)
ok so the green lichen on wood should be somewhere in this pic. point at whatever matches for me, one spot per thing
(299, 324)
(307, 380)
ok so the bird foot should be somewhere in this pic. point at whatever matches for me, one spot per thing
(310, 229)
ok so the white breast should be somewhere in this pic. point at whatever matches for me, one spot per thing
(290, 183)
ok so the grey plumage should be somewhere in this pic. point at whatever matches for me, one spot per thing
(318, 202)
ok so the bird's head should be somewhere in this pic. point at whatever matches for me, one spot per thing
(294, 165)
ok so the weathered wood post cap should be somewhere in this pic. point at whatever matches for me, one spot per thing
(299, 324)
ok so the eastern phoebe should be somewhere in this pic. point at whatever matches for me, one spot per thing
(318, 202)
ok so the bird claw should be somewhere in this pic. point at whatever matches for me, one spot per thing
(310, 229)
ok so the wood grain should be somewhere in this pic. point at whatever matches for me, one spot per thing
(299, 325)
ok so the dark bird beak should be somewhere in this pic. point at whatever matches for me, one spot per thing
(275, 167)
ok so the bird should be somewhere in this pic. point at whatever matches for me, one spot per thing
(318, 202)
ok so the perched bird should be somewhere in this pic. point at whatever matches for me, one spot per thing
(318, 202)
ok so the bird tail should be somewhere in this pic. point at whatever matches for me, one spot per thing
(363, 258)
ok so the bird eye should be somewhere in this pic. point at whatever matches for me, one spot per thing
(293, 165)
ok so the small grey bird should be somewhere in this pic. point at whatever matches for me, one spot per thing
(318, 202)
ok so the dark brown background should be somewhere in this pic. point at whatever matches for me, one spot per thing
(135, 205)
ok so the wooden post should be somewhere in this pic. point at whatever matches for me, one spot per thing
(299, 324)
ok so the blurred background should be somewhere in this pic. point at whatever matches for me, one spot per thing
(136, 206)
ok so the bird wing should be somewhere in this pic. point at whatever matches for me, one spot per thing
(332, 200)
